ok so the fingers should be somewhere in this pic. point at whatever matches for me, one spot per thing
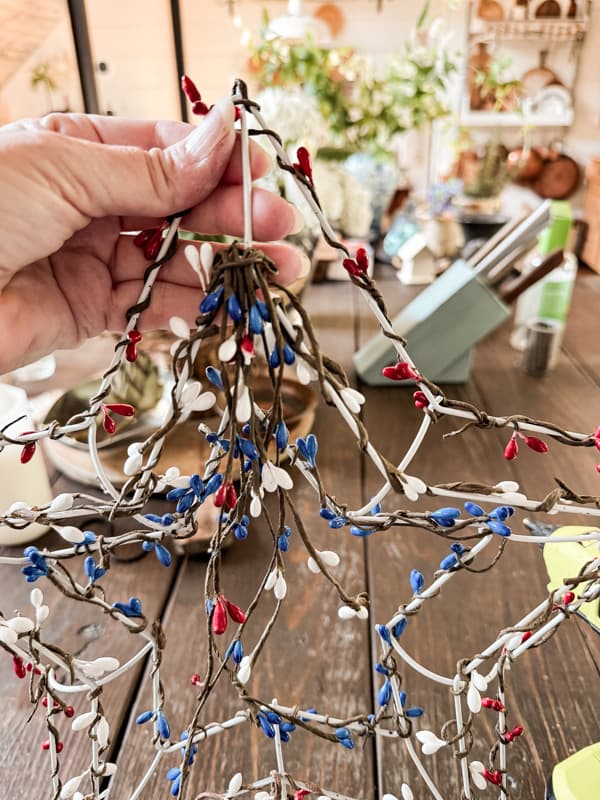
(98, 180)
(143, 134)
(129, 264)
(272, 216)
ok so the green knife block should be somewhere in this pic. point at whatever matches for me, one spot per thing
(441, 326)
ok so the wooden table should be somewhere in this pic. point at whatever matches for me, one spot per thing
(311, 659)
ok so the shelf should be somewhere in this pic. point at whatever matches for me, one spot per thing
(513, 119)
(551, 30)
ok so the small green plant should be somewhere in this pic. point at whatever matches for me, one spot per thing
(498, 93)
(363, 107)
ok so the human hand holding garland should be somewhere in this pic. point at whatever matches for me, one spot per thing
(73, 185)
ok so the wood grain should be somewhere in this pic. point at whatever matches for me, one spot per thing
(549, 687)
(84, 631)
(311, 658)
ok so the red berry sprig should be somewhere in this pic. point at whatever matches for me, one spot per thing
(28, 451)
(490, 702)
(223, 607)
(510, 736)
(303, 165)
(357, 266)
(402, 371)
(226, 496)
(494, 777)
(511, 451)
(131, 351)
(193, 95)
(150, 241)
(121, 409)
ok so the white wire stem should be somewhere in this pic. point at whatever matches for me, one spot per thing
(402, 467)
(246, 177)
(407, 740)
(502, 745)
(464, 767)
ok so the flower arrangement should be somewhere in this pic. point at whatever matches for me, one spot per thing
(365, 106)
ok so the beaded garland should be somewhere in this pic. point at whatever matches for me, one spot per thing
(258, 321)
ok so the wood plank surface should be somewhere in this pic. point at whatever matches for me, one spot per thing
(311, 658)
(549, 688)
(84, 631)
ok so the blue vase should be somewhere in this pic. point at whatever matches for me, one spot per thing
(380, 176)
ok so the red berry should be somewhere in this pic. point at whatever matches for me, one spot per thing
(238, 113)
(122, 409)
(526, 636)
(351, 267)
(304, 163)
(420, 399)
(28, 451)
(190, 89)
(568, 598)
(19, 667)
(219, 620)
(69, 711)
(536, 444)
(235, 612)
(219, 499)
(511, 451)
(230, 496)
(199, 108)
(134, 336)
(131, 352)
(195, 680)
(144, 236)
(362, 259)
(401, 371)
(153, 245)
(109, 425)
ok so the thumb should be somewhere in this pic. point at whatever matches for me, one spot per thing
(117, 180)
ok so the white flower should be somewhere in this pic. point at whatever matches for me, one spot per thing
(413, 487)
(244, 670)
(179, 327)
(347, 612)
(473, 699)
(476, 768)
(329, 557)
(235, 784)
(83, 721)
(352, 398)
(70, 533)
(62, 502)
(273, 476)
(243, 409)
(102, 731)
(97, 668)
(227, 349)
(306, 374)
(133, 464)
(478, 681)
(276, 582)
(430, 743)
(70, 787)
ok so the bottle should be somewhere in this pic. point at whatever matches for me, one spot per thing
(548, 300)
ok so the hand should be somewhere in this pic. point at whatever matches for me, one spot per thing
(73, 185)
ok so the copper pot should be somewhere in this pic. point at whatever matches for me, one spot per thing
(524, 164)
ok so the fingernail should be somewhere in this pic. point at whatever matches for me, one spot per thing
(214, 126)
(299, 220)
